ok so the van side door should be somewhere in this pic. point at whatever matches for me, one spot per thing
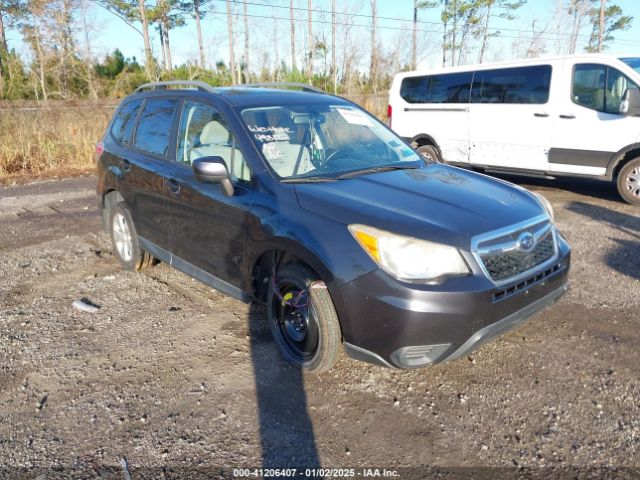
(510, 122)
(590, 129)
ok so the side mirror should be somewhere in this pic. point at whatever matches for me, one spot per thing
(213, 170)
(630, 104)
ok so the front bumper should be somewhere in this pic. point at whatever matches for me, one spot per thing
(396, 324)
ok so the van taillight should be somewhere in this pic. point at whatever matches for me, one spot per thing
(99, 149)
(389, 109)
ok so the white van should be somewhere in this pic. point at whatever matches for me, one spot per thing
(573, 115)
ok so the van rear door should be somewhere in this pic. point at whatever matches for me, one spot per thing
(510, 123)
(434, 106)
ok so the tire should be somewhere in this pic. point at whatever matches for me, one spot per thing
(308, 336)
(429, 153)
(125, 240)
(628, 182)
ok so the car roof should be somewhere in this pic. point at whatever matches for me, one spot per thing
(242, 96)
(580, 57)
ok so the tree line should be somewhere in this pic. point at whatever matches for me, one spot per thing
(348, 48)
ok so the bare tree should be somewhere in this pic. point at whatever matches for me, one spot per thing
(334, 71)
(293, 36)
(603, 4)
(197, 13)
(84, 7)
(232, 58)
(579, 11)
(132, 12)
(373, 64)
(245, 16)
(310, 42)
(505, 9)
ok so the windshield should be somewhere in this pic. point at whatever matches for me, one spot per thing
(633, 62)
(314, 141)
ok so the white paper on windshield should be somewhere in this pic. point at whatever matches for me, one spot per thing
(354, 117)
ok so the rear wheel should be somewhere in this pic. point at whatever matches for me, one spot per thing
(429, 153)
(303, 320)
(125, 240)
(628, 182)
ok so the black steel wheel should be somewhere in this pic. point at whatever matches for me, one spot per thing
(303, 320)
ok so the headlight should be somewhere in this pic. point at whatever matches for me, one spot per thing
(545, 203)
(409, 258)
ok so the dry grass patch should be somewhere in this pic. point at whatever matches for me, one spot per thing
(37, 138)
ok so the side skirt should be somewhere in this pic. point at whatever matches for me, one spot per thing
(193, 271)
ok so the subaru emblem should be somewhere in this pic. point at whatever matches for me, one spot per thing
(526, 242)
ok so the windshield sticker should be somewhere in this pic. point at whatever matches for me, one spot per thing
(354, 117)
(270, 133)
(271, 151)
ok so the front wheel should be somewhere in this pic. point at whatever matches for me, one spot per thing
(628, 182)
(303, 320)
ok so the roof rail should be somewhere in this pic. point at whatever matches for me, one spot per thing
(303, 86)
(175, 83)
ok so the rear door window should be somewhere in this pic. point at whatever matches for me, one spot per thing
(154, 127)
(519, 85)
(124, 121)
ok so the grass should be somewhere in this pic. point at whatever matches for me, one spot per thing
(35, 139)
(58, 138)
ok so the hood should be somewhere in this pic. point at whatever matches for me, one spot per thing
(437, 202)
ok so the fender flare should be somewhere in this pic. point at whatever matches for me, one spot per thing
(293, 247)
(620, 157)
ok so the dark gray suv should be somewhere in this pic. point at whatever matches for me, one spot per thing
(307, 203)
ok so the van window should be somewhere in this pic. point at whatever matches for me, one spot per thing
(599, 87)
(520, 85)
(124, 121)
(154, 127)
(445, 88)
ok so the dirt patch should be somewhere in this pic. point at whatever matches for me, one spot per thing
(173, 375)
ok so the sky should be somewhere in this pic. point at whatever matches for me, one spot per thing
(271, 37)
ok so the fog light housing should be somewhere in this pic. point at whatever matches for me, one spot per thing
(419, 355)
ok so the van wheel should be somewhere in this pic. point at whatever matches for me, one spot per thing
(125, 240)
(629, 182)
(303, 320)
(429, 153)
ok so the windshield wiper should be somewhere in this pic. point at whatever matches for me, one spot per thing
(383, 168)
(309, 179)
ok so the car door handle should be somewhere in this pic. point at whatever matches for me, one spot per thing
(568, 116)
(125, 165)
(541, 114)
(174, 186)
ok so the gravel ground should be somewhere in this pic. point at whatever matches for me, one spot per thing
(181, 380)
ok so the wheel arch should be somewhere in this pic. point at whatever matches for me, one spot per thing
(282, 250)
(619, 159)
(425, 139)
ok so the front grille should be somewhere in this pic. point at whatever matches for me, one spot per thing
(503, 255)
(529, 282)
(503, 266)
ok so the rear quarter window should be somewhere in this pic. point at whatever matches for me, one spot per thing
(124, 120)
(154, 127)
(443, 88)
